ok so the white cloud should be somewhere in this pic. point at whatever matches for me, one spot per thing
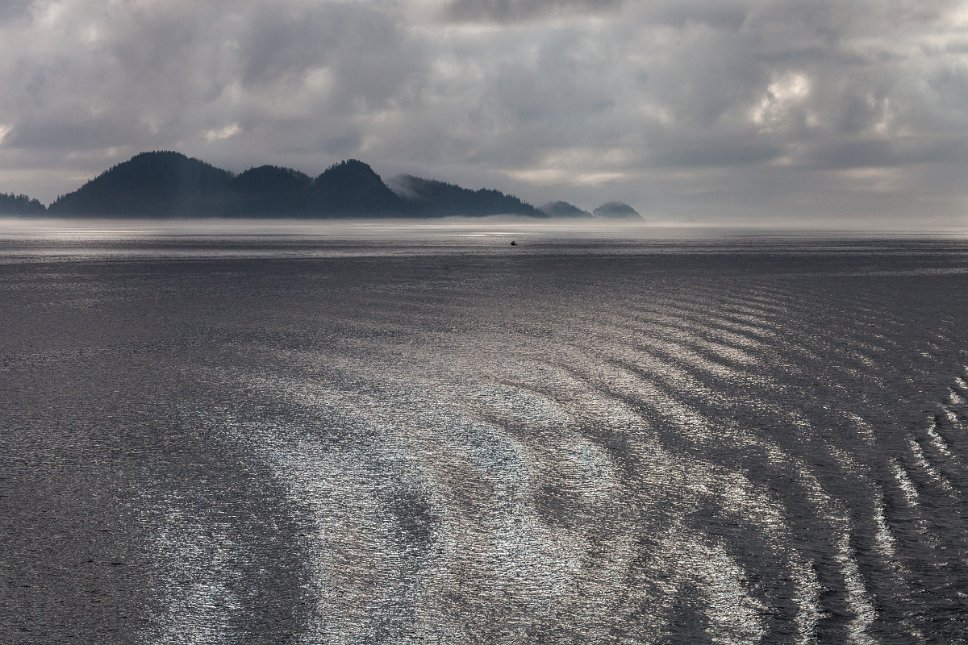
(221, 134)
(783, 95)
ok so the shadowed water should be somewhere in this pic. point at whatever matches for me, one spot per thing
(361, 435)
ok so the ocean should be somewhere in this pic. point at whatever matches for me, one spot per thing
(403, 433)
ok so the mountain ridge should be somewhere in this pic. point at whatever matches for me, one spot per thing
(170, 184)
(564, 209)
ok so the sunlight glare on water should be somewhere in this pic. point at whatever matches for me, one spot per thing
(388, 433)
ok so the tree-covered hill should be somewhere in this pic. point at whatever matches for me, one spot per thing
(430, 198)
(20, 205)
(269, 191)
(149, 184)
(616, 210)
(352, 188)
(563, 209)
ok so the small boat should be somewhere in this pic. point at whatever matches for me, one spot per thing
(513, 243)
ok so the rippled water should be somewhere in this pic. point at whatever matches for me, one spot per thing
(365, 437)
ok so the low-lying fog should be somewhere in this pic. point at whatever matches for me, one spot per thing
(454, 229)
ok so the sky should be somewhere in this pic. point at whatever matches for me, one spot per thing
(721, 111)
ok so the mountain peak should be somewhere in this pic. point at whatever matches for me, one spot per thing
(352, 187)
(158, 183)
(563, 209)
(616, 210)
(350, 168)
(268, 177)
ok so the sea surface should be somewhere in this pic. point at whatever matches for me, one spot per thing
(356, 433)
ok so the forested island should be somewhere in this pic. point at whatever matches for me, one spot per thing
(20, 205)
(170, 184)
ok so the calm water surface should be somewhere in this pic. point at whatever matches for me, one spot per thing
(365, 433)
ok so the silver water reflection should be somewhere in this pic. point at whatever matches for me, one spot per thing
(339, 436)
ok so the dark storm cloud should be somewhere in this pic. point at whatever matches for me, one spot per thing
(683, 106)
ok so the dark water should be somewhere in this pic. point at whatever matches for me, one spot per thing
(585, 438)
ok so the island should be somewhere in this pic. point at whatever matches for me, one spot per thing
(170, 184)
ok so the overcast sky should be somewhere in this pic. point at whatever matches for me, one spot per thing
(709, 110)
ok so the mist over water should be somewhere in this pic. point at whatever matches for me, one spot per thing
(419, 433)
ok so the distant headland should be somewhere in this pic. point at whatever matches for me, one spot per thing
(170, 184)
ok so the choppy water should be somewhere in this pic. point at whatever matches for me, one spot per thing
(353, 438)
